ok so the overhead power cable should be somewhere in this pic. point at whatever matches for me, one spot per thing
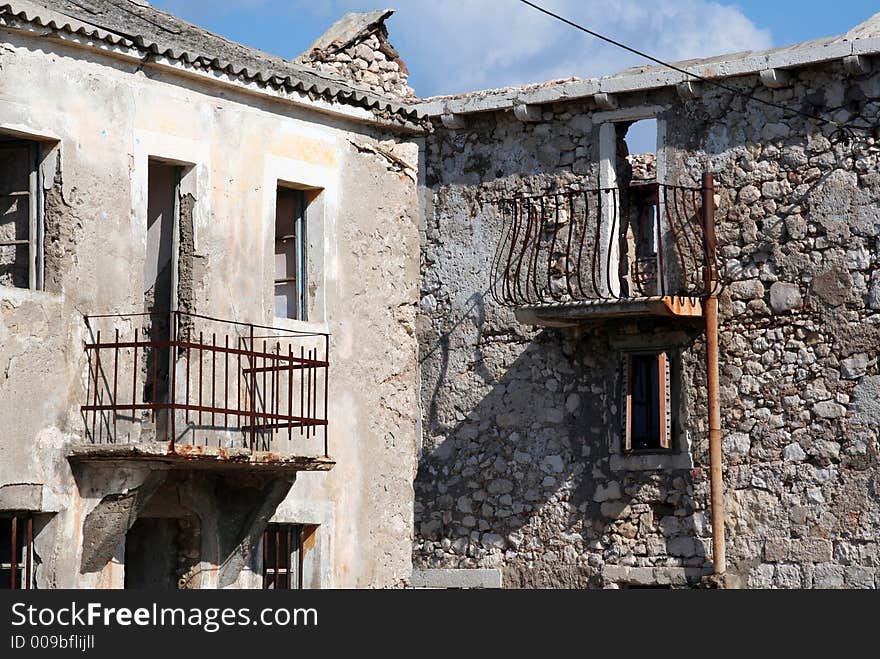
(847, 129)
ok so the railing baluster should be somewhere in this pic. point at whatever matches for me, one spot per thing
(264, 395)
(115, 401)
(238, 384)
(253, 393)
(134, 371)
(265, 559)
(226, 382)
(201, 372)
(186, 396)
(172, 351)
(276, 381)
(29, 548)
(309, 397)
(97, 383)
(213, 376)
(326, 399)
(154, 355)
(289, 392)
(14, 552)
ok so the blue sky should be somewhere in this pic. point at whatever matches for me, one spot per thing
(462, 45)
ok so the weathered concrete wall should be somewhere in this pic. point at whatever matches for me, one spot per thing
(518, 468)
(105, 118)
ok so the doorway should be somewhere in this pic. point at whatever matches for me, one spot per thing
(162, 553)
(160, 284)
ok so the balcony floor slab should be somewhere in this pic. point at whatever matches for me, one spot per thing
(200, 457)
(576, 313)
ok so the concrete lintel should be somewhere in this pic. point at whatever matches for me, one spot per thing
(528, 113)
(857, 65)
(689, 90)
(633, 113)
(28, 497)
(459, 579)
(775, 78)
(605, 101)
(452, 121)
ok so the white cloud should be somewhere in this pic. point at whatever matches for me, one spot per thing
(454, 46)
(461, 45)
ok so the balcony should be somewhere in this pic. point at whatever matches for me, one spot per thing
(576, 255)
(201, 392)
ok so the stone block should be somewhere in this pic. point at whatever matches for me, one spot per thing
(785, 297)
(811, 550)
(457, 579)
(828, 577)
(776, 550)
(860, 578)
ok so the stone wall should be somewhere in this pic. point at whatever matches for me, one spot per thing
(519, 468)
(357, 48)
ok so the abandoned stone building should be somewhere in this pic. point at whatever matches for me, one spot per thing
(283, 324)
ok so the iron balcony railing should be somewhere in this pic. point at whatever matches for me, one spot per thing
(607, 244)
(193, 380)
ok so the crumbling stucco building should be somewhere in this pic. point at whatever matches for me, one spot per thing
(192, 232)
(287, 325)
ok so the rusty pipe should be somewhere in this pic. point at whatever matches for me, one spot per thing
(710, 314)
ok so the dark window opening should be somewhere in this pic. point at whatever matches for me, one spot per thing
(647, 402)
(16, 552)
(290, 254)
(283, 557)
(21, 226)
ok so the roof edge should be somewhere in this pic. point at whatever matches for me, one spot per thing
(653, 77)
(313, 83)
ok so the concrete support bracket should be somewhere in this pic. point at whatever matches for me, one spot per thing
(528, 113)
(605, 101)
(775, 78)
(453, 121)
(690, 90)
(857, 65)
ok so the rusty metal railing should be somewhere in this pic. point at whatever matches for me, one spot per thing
(602, 245)
(193, 380)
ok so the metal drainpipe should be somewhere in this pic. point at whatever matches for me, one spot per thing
(710, 314)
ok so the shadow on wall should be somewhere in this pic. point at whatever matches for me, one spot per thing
(197, 523)
(522, 480)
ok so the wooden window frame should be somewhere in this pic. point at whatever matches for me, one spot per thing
(664, 396)
(36, 229)
(21, 574)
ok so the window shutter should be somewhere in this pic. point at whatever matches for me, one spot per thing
(665, 402)
(627, 411)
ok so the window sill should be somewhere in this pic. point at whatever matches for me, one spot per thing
(651, 462)
(301, 325)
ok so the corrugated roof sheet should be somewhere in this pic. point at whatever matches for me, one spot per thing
(135, 23)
